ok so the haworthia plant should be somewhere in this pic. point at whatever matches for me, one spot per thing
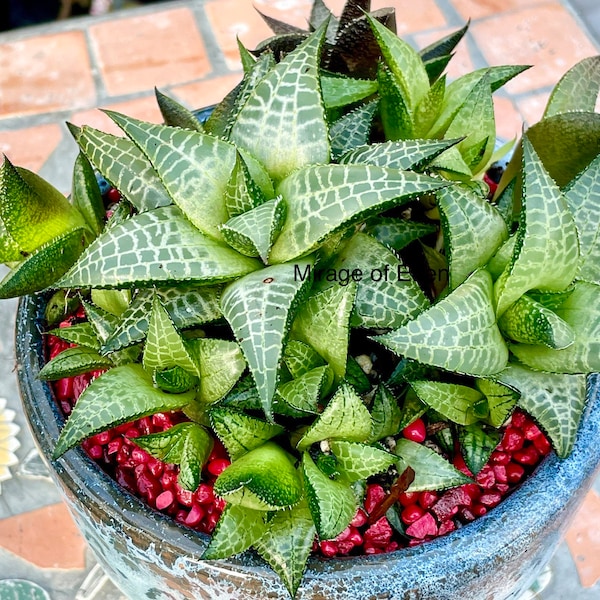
(315, 269)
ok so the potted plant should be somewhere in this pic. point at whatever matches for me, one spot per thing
(309, 327)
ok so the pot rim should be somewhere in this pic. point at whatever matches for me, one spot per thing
(554, 484)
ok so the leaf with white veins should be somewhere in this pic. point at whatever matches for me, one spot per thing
(322, 199)
(259, 308)
(459, 333)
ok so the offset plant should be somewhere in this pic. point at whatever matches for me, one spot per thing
(316, 218)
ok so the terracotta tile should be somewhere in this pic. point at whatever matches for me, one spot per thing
(137, 53)
(532, 107)
(295, 12)
(476, 9)
(31, 147)
(461, 62)
(236, 18)
(413, 16)
(46, 537)
(584, 541)
(547, 37)
(145, 109)
(509, 123)
(44, 74)
(204, 93)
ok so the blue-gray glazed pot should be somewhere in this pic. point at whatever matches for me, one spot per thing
(149, 556)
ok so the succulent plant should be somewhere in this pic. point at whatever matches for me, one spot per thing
(314, 219)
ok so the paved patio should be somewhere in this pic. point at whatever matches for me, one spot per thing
(62, 71)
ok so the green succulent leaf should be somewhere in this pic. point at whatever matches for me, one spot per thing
(259, 308)
(403, 154)
(581, 195)
(453, 401)
(323, 322)
(475, 120)
(530, 322)
(459, 333)
(282, 123)
(85, 194)
(174, 251)
(238, 529)
(429, 107)
(174, 380)
(102, 322)
(555, 401)
(500, 400)
(165, 347)
(435, 66)
(332, 503)
(187, 161)
(114, 302)
(303, 393)
(547, 251)
(404, 62)
(341, 91)
(32, 213)
(300, 358)
(220, 364)
(444, 46)
(353, 129)
(473, 230)
(242, 193)
(287, 544)
(359, 461)
(45, 265)
(122, 394)
(186, 444)
(581, 314)
(262, 479)
(386, 415)
(253, 232)
(386, 294)
(187, 305)
(432, 471)
(243, 396)
(73, 361)
(240, 432)
(502, 258)
(566, 144)
(356, 377)
(477, 445)
(458, 91)
(398, 233)
(324, 198)
(82, 334)
(344, 418)
(176, 115)
(396, 117)
(124, 166)
(577, 90)
(453, 165)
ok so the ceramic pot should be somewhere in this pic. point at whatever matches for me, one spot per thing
(148, 555)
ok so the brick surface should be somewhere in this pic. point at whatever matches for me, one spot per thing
(144, 109)
(204, 93)
(414, 16)
(236, 18)
(46, 537)
(476, 9)
(45, 74)
(547, 37)
(30, 147)
(137, 53)
(508, 120)
(532, 107)
(584, 541)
